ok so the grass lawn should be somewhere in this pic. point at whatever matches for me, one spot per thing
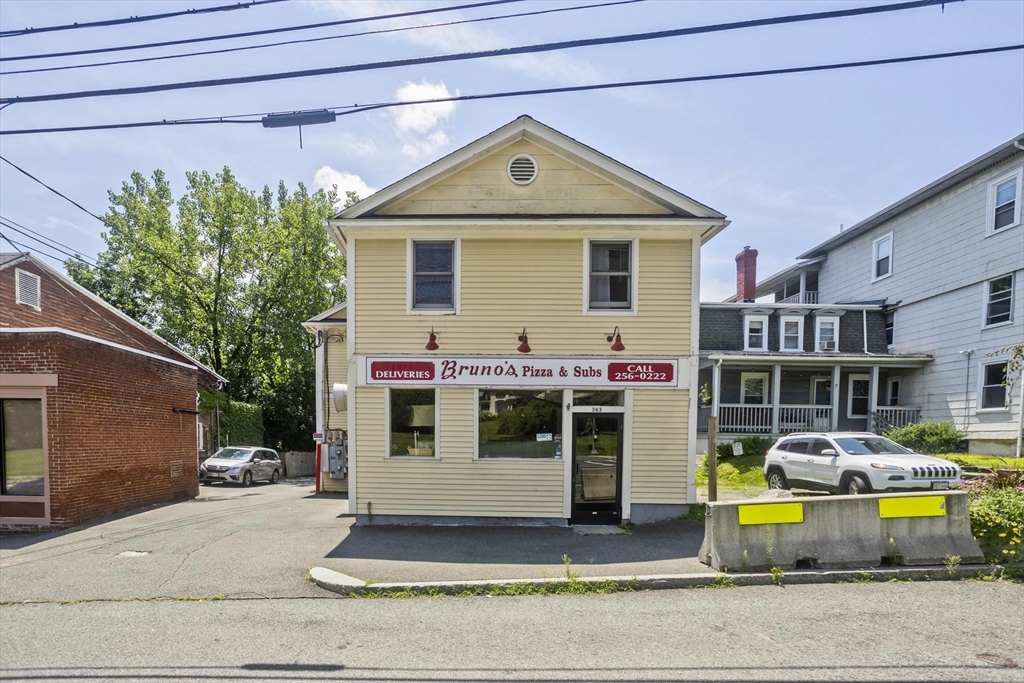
(738, 472)
(990, 461)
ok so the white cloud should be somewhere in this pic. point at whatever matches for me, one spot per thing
(327, 177)
(420, 126)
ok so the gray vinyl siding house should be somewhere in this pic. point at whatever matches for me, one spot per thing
(946, 264)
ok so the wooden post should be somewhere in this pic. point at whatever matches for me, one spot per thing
(713, 458)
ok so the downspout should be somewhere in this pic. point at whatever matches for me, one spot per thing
(864, 317)
(967, 385)
(1020, 417)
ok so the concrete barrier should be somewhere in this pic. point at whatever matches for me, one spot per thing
(839, 531)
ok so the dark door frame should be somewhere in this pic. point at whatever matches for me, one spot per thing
(612, 515)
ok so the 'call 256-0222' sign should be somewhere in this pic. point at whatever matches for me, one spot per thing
(526, 372)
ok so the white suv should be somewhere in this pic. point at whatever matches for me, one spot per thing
(852, 463)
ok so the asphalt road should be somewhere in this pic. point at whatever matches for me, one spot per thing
(852, 632)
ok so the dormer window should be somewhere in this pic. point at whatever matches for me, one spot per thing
(755, 332)
(791, 333)
(826, 333)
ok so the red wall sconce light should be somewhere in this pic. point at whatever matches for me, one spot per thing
(524, 346)
(617, 339)
(432, 341)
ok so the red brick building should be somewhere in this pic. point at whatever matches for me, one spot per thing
(98, 413)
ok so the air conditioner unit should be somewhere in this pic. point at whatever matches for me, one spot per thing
(826, 346)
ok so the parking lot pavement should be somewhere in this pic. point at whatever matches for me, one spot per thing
(261, 541)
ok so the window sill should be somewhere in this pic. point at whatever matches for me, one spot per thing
(558, 460)
(755, 350)
(989, 232)
(610, 311)
(982, 411)
(883, 277)
(996, 325)
(414, 458)
(432, 311)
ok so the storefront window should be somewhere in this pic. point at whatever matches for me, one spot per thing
(597, 398)
(21, 423)
(413, 422)
(520, 424)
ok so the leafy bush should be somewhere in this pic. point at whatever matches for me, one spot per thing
(752, 445)
(928, 437)
(241, 424)
(528, 418)
(997, 516)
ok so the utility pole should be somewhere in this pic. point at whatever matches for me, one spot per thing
(713, 458)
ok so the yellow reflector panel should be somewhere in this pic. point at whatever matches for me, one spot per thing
(918, 506)
(772, 513)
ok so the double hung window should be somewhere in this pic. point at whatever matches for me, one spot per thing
(792, 333)
(1004, 202)
(882, 259)
(999, 300)
(993, 391)
(611, 275)
(755, 333)
(826, 337)
(433, 276)
(890, 328)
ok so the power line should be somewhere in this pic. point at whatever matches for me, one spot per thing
(262, 32)
(75, 256)
(40, 237)
(355, 109)
(136, 19)
(463, 56)
(56, 192)
(20, 246)
(317, 40)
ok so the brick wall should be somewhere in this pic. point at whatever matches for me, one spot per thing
(114, 442)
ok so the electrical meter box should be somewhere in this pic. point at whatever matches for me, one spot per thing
(337, 459)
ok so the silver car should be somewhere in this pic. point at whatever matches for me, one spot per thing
(241, 465)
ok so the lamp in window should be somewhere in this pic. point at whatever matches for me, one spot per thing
(421, 416)
(617, 345)
(432, 341)
(524, 346)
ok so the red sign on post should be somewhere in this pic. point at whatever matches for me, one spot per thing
(641, 372)
(398, 371)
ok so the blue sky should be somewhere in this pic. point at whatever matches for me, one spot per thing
(787, 158)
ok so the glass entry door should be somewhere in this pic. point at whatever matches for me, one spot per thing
(596, 469)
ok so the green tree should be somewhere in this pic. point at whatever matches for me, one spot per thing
(228, 275)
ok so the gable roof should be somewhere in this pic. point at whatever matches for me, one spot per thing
(990, 158)
(6, 262)
(525, 127)
(335, 314)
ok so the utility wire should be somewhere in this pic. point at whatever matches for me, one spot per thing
(262, 32)
(20, 247)
(75, 256)
(39, 237)
(463, 56)
(136, 19)
(56, 192)
(317, 40)
(354, 109)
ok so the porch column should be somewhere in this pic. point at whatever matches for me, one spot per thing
(716, 387)
(873, 398)
(776, 392)
(834, 394)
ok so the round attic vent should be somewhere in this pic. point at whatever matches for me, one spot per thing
(522, 169)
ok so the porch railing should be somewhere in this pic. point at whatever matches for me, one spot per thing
(800, 298)
(889, 417)
(804, 419)
(744, 419)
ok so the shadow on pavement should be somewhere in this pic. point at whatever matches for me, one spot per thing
(519, 545)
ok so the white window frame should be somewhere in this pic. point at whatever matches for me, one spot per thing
(566, 414)
(818, 320)
(981, 387)
(766, 376)
(814, 385)
(410, 279)
(875, 259)
(18, 273)
(895, 379)
(988, 293)
(799, 320)
(387, 427)
(634, 277)
(990, 212)
(849, 395)
(747, 319)
(886, 323)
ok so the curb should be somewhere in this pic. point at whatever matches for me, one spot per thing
(337, 582)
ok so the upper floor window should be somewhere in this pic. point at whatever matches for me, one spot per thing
(826, 333)
(1004, 202)
(792, 333)
(433, 276)
(611, 273)
(999, 300)
(993, 392)
(755, 332)
(890, 328)
(882, 259)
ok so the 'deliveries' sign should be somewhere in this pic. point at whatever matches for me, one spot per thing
(522, 372)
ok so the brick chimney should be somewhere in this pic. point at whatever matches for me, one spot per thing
(746, 274)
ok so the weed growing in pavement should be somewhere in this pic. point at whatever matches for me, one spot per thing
(951, 562)
(369, 582)
(894, 556)
(865, 577)
(769, 546)
(722, 581)
(696, 513)
(627, 527)
(897, 579)
(777, 575)
(571, 587)
(746, 561)
(570, 573)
